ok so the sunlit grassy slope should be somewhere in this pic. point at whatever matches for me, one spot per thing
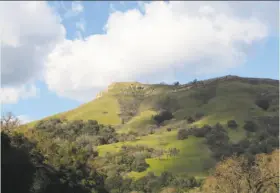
(219, 101)
(193, 157)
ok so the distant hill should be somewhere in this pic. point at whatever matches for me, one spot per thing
(130, 107)
(218, 98)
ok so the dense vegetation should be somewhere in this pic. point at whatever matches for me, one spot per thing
(217, 139)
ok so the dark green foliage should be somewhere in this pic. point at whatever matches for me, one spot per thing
(17, 169)
(176, 83)
(218, 141)
(232, 124)
(198, 115)
(200, 132)
(72, 130)
(190, 120)
(92, 122)
(131, 136)
(182, 134)
(262, 103)
(250, 126)
(151, 183)
(130, 158)
(172, 152)
(263, 141)
(163, 116)
(139, 164)
(23, 170)
(168, 129)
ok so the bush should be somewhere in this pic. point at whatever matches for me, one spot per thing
(232, 124)
(250, 126)
(199, 115)
(190, 120)
(201, 132)
(168, 129)
(182, 134)
(92, 122)
(163, 116)
(262, 103)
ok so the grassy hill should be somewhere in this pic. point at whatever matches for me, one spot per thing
(130, 107)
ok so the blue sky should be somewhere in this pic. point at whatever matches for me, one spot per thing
(81, 47)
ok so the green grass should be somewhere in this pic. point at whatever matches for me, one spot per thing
(144, 119)
(193, 157)
(104, 109)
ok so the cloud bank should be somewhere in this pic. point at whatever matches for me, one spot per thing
(29, 32)
(196, 37)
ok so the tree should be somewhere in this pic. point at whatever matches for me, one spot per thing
(241, 175)
(194, 81)
(162, 116)
(190, 120)
(198, 115)
(168, 129)
(182, 134)
(173, 152)
(176, 83)
(232, 124)
(9, 122)
(262, 103)
(250, 126)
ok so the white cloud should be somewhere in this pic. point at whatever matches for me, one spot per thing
(29, 32)
(196, 37)
(12, 95)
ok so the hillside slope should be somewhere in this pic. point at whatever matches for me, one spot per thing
(219, 99)
(130, 107)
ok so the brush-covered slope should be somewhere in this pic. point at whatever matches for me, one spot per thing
(130, 107)
(132, 104)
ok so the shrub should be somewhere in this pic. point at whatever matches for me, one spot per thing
(190, 120)
(92, 122)
(250, 126)
(232, 124)
(162, 116)
(182, 134)
(201, 132)
(262, 103)
(151, 131)
(198, 115)
(168, 129)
